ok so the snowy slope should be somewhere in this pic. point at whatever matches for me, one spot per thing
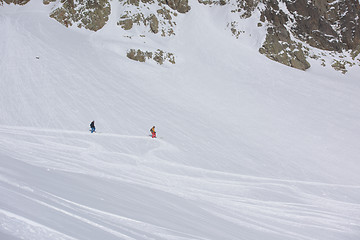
(247, 148)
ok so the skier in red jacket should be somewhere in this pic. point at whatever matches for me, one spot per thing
(153, 133)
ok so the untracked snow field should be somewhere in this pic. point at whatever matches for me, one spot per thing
(247, 149)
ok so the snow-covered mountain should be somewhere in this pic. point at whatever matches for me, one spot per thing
(289, 32)
(247, 148)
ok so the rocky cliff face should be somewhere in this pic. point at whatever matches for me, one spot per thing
(91, 14)
(295, 30)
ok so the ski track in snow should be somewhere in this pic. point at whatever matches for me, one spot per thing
(242, 200)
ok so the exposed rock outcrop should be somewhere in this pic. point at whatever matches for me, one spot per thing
(158, 56)
(292, 27)
(327, 24)
(154, 23)
(89, 14)
(182, 6)
(159, 21)
(278, 46)
(46, 2)
(19, 2)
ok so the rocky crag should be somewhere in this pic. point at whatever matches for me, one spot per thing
(325, 30)
(295, 32)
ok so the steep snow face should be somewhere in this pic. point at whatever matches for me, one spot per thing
(247, 148)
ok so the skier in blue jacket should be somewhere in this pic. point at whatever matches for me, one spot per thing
(92, 126)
